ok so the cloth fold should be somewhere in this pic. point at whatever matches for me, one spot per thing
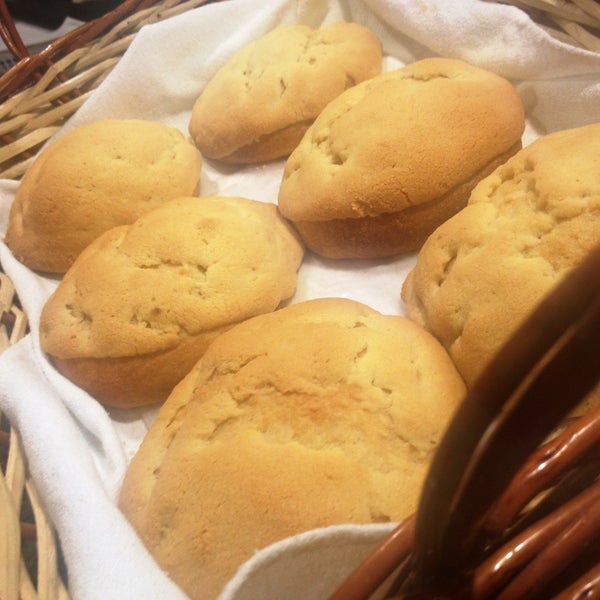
(77, 450)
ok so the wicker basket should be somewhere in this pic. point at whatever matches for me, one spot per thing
(37, 96)
(29, 555)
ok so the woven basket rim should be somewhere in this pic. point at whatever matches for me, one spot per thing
(42, 91)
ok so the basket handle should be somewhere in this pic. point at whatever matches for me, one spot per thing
(500, 422)
(491, 462)
(9, 33)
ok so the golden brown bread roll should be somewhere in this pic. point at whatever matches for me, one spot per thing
(320, 413)
(390, 159)
(95, 177)
(259, 104)
(143, 301)
(525, 227)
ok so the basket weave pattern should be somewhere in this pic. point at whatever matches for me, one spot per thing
(576, 22)
(23, 519)
(43, 90)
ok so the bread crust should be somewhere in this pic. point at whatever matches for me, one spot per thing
(259, 104)
(93, 178)
(131, 381)
(391, 233)
(525, 226)
(323, 412)
(416, 139)
(141, 304)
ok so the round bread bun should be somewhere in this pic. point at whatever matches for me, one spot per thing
(323, 412)
(142, 303)
(259, 104)
(390, 159)
(526, 225)
(93, 178)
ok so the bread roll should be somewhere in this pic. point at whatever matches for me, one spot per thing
(143, 301)
(95, 177)
(390, 159)
(259, 104)
(526, 225)
(323, 412)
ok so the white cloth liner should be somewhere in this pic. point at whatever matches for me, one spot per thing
(78, 451)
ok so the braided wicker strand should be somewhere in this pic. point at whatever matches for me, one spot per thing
(17, 490)
(43, 90)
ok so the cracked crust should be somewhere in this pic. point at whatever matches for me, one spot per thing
(391, 158)
(259, 104)
(525, 227)
(141, 304)
(391, 233)
(323, 412)
(96, 177)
